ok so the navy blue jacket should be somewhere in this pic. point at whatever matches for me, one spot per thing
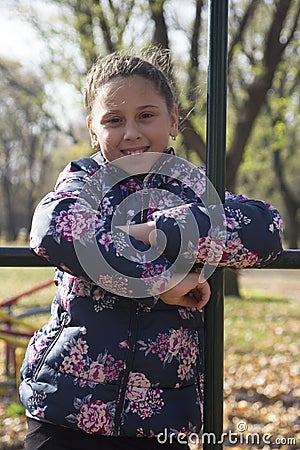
(113, 358)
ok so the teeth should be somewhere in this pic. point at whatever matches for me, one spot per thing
(133, 152)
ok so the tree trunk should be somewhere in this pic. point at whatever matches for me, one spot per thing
(231, 283)
(9, 211)
(256, 93)
(291, 202)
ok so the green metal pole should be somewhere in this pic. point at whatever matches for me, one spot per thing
(216, 149)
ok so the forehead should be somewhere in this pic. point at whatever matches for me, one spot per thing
(128, 91)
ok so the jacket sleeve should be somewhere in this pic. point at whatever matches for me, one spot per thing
(248, 232)
(74, 233)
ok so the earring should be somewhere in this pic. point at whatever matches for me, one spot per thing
(173, 138)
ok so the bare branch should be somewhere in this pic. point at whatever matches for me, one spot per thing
(246, 19)
(160, 33)
(193, 70)
(250, 110)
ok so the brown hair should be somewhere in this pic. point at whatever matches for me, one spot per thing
(153, 64)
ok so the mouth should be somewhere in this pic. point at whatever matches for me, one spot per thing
(134, 151)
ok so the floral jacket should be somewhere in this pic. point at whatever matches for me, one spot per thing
(114, 359)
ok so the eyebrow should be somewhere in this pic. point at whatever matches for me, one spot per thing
(115, 111)
(147, 106)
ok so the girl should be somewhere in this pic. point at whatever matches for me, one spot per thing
(119, 364)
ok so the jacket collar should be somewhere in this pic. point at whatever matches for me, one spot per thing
(153, 178)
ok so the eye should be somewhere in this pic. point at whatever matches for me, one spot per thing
(146, 115)
(113, 120)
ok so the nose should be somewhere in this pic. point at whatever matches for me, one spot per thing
(131, 131)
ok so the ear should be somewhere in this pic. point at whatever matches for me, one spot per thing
(93, 135)
(174, 122)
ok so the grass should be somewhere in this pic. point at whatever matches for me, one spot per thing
(14, 281)
(268, 324)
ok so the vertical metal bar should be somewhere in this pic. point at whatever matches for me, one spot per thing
(216, 149)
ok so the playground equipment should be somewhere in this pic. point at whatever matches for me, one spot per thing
(11, 327)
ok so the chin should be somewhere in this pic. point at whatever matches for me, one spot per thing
(137, 164)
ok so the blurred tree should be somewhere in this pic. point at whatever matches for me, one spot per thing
(277, 165)
(25, 133)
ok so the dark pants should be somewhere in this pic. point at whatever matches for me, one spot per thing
(45, 436)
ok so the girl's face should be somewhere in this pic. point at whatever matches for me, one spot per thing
(131, 119)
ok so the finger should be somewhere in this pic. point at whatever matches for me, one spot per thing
(202, 292)
(203, 295)
(189, 301)
(201, 305)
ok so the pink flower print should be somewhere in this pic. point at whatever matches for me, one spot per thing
(94, 418)
(96, 372)
(231, 223)
(130, 186)
(247, 260)
(196, 181)
(106, 207)
(158, 285)
(73, 366)
(74, 363)
(151, 270)
(152, 204)
(210, 250)
(182, 371)
(167, 202)
(137, 387)
(120, 365)
(80, 365)
(175, 342)
(278, 223)
(143, 400)
(65, 302)
(81, 348)
(73, 224)
(154, 347)
(123, 344)
(233, 246)
(180, 344)
(109, 359)
(116, 284)
(64, 295)
(79, 288)
(39, 412)
(38, 344)
(105, 239)
(106, 281)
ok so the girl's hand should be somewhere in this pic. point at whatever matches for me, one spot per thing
(142, 231)
(189, 292)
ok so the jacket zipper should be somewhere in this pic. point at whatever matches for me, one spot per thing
(133, 327)
(40, 364)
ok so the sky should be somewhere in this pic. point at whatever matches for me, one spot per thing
(18, 40)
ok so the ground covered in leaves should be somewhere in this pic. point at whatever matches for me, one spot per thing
(262, 372)
(262, 378)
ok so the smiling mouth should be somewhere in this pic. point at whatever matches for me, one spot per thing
(134, 151)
